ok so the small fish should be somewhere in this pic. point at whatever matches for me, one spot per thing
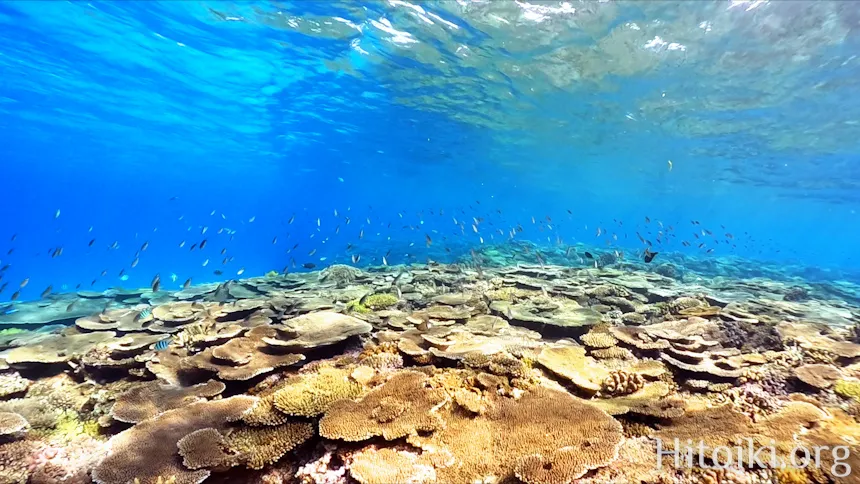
(187, 283)
(599, 231)
(182, 244)
(429, 240)
(47, 292)
(291, 219)
(203, 231)
(115, 245)
(24, 283)
(144, 246)
(647, 220)
(312, 252)
(251, 220)
(57, 214)
(649, 256)
(206, 263)
(135, 262)
(15, 296)
(14, 236)
(274, 241)
(93, 241)
(670, 164)
(318, 222)
(309, 265)
(335, 212)
(217, 272)
(384, 261)
(589, 256)
(361, 234)
(203, 244)
(356, 258)
(162, 345)
(155, 279)
(193, 246)
(240, 271)
(71, 305)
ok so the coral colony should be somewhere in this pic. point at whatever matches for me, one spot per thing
(437, 373)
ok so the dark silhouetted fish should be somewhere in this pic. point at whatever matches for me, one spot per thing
(309, 265)
(649, 256)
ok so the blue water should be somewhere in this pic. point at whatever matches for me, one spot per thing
(147, 121)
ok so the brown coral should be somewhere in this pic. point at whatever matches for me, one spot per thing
(402, 406)
(386, 466)
(544, 436)
(571, 363)
(254, 448)
(818, 375)
(148, 451)
(150, 399)
(722, 426)
(57, 349)
(620, 382)
(311, 394)
(12, 423)
(599, 340)
(242, 358)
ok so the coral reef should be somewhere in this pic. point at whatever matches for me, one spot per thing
(431, 373)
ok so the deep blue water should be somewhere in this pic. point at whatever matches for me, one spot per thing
(148, 121)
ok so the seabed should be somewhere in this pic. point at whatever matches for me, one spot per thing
(445, 373)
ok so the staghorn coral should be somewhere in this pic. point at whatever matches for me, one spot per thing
(402, 406)
(311, 394)
(620, 382)
(148, 451)
(150, 399)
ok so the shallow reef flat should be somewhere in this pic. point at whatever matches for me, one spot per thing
(513, 372)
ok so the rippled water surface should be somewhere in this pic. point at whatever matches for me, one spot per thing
(391, 128)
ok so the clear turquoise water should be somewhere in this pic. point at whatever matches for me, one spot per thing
(141, 119)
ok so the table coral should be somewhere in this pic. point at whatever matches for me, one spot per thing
(148, 451)
(404, 405)
(311, 394)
